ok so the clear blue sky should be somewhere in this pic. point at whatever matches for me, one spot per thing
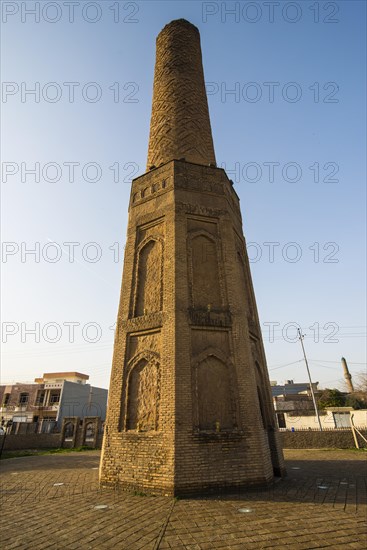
(318, 59)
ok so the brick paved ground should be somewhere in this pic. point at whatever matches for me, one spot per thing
(53, 502)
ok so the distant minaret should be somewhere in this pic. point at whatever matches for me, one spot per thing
(189, 406)
(347, 375)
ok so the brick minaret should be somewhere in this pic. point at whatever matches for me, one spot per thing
(190, 405)
(347, 376)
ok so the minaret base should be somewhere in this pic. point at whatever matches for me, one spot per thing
(190, 408)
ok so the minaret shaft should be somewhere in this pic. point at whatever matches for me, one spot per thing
(180, 124)
(347, 376)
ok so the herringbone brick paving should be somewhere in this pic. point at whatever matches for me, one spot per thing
(49, 502)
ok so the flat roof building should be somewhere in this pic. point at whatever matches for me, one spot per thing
(52, 397)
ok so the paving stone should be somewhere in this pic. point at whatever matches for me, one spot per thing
(290, 514)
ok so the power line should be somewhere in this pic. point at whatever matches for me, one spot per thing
(324, 366)
(349, 362)
(310, 328)
(285, 365)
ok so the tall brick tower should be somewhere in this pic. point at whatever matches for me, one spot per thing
(190, 405)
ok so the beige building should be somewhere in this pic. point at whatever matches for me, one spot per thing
(50, 398)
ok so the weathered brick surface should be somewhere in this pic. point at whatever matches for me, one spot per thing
(190, 406)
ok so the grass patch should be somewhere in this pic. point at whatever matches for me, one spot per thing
(39, 452)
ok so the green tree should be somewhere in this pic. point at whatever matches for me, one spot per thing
(356, 400)
(331, 398)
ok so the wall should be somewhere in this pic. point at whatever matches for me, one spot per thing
(314, 439)
(305, 421)
(30, 441)
(23, 440)
(327, 420)
(359, 418)
(39, 441)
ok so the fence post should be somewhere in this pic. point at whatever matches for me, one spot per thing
(353, 431)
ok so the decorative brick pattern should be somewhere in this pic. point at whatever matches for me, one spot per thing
(180, 125)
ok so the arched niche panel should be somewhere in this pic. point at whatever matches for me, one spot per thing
(143, 396)
(214, 395)
(205, 275)
(69, 431)
(148, 297)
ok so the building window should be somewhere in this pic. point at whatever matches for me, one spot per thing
(54, 397)
(23, 399)
(40, 397)
(281, 420)
(6, 399)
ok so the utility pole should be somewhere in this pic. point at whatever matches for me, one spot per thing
(301, 336)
